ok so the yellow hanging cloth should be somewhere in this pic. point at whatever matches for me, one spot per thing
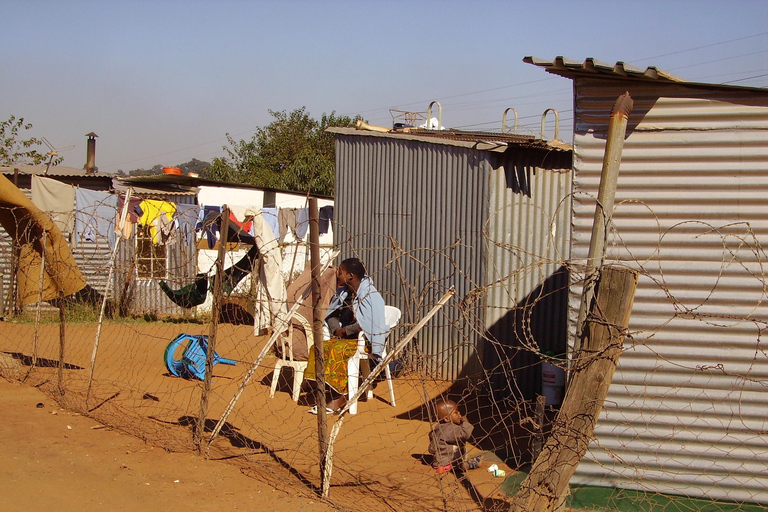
(151, 210)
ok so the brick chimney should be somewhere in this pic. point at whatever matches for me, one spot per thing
(90, 162)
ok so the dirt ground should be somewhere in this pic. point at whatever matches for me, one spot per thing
(53, 459)
(265, 457)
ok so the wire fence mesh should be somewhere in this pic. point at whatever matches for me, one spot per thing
(380, 457)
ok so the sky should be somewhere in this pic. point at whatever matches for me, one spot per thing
(162, 82)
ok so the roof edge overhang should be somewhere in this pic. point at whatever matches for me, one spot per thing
(180, 183)
(480, 144)
(595, 69)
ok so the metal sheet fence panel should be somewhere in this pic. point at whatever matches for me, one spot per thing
(685, 413)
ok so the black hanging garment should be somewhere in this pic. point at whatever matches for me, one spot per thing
(234, 274)
(188, 296)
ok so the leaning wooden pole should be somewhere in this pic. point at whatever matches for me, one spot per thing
(121, 225)
(326, 481)
(215, 313)
(609, 178)
(591, 375)
(280, 326)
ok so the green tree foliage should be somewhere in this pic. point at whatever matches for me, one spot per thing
(293, 152)
(17, 151)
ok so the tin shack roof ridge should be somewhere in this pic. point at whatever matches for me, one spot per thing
(593, 68)
(482, 141)
(172, 181)
(55, 170)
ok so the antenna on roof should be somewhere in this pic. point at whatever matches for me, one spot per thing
(53, 153)
(406, 119)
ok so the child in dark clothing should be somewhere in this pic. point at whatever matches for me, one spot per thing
(447, 440)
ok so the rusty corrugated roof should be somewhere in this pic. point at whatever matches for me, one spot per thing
(483, 141)
(590, 67)
(55, 170)
(593, 68)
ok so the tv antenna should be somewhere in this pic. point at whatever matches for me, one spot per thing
(53, 153)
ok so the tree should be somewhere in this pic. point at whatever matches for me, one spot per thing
(17, 151)
(293, 152)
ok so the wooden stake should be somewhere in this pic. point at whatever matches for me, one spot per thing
(592, 372)
(62, 338)
(326, 482)
(39, 300)
(318, 317)
(215, 312)
(121, 224)
(282, 325)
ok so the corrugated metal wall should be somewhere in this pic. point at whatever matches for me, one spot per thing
(417, 214)
(527, 279)
(414, 214)
(686, 412)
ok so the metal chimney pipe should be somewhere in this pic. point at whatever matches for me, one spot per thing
(90, 161)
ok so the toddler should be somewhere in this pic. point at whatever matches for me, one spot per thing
(447, 440)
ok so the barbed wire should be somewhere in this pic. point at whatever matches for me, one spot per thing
(381, 458)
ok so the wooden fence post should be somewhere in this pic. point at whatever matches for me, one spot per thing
(215, 312)
(62, 339)
(592, 372)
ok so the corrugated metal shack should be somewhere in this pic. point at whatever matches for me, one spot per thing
(686, 412)
(488, 213)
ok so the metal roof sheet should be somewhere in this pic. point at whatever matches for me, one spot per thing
(482, 141)
(177, 182)
(593, 68)
(55, 170)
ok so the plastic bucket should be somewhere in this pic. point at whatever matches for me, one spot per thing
(172, 170)
(552, 382)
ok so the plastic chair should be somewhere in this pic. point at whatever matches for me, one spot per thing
(286, 346)
(192, 362)
(392, 318)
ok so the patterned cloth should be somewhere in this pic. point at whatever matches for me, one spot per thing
(336, 353)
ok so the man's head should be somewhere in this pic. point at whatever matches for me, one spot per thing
(448, 411)
(350, 272)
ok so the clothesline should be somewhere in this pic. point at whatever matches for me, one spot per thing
(92, 214)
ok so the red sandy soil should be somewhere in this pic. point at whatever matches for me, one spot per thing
(53, 459)
(48, 466)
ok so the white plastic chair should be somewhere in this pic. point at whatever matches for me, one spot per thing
(392, 318)
(286, 345)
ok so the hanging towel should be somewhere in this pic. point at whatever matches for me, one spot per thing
(271, 295)
(134, 212)
(269, 217)
(186, 216)
(302, 222)
(95, 214)
(57, 199)
(208, 224)
(286, 219)
(325, 218)
(151, 210)
(188, 296)
(238, 220)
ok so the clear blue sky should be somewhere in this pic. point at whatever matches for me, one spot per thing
(162, 82)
